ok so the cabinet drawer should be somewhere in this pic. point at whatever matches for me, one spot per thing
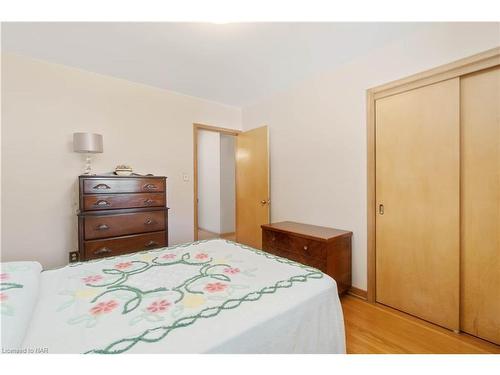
(123, 245)
(300, 258)
(106, 202)
(119, 225)
(123, 185)
(275, 240)
(307, 247)
(294, 244)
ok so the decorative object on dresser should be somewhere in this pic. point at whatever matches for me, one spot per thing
(326, 249)
(87, 143)
(123, 170)
(121, 214)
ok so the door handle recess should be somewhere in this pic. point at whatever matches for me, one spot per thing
(381, 209)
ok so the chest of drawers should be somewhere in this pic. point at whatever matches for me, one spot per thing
(121, 214)
(326, 249)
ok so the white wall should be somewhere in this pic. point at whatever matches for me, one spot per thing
(43, 104)
(209, 187)
(318, 130)
(227, 184)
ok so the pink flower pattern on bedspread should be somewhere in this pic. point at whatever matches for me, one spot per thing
(168, 289)
(123, 265)
(104, 307)
(92, 279)
(159, 306)
(140, 285)
(215, 287)
(168, 256)
(231, 270)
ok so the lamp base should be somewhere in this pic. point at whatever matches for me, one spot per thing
(88, 167)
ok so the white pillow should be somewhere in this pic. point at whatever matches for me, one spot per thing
(19, 292)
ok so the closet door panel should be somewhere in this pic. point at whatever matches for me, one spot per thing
(417, 183)
(480, 193)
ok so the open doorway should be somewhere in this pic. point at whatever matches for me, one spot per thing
(215, 182)
(231, 183)
(216, 185)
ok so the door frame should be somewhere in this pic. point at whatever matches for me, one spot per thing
(196, 128)
(471, 64)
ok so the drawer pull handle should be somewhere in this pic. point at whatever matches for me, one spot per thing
(102, 250)
(150, 222)
(151, 243)
(150, 187)
(273, 238)
(306, 247)
(101, 187)
(102, 227)
(149, 202)
(102, 203)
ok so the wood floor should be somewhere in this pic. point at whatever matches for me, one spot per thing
(373, 328)
(206, 235)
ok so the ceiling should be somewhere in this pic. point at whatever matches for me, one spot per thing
(234, 63)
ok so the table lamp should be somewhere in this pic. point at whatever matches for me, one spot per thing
(87, 143)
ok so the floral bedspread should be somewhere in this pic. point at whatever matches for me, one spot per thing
(18, 295)
(7, 288)
(165, 299)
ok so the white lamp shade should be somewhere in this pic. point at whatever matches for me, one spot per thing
(87, 142)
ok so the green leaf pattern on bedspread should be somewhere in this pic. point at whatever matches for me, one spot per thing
(6, 284)
(210, 287)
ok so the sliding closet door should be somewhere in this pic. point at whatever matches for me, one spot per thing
(480, 183)
(417, 195)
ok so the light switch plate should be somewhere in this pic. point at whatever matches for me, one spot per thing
(185, 177)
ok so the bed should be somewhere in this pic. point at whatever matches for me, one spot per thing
(213, 296)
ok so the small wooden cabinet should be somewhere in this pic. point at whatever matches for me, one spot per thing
(326, 249)
(121, 214)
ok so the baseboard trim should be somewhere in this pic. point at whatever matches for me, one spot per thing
(356, 292)
(208, 231)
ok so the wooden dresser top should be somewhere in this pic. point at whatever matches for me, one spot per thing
(116, 176)
(306, 230)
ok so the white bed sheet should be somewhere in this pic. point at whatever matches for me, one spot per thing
(241, 301)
